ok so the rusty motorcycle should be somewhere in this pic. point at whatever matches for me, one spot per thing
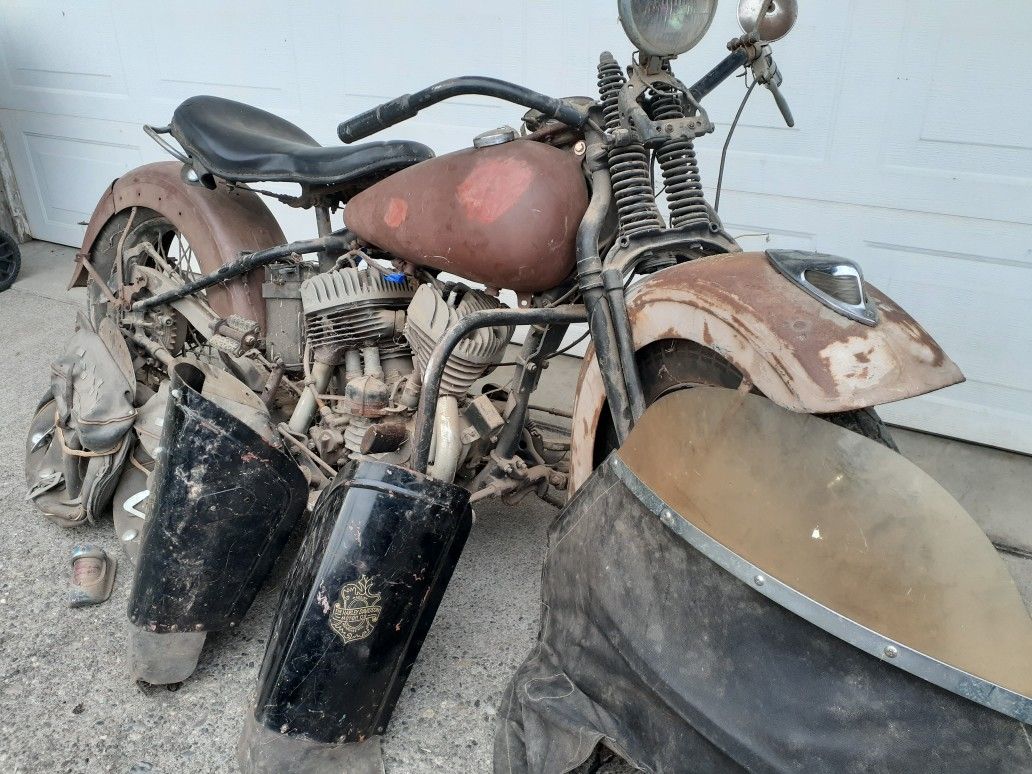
(226, 388)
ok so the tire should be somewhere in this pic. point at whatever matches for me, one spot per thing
(10, 260)
(678, 364)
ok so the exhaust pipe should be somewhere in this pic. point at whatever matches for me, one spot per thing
(357, 605)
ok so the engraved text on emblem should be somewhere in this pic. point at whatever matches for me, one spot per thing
(356, 612)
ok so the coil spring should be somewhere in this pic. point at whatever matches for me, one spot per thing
(610, 80)
(629, 164)
(680, 168)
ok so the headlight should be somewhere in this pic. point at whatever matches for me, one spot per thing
(666, 27)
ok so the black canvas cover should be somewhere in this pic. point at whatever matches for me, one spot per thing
(652, 650)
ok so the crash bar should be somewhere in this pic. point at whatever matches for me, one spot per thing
(423, 427)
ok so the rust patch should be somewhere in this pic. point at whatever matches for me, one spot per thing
(820, 350)
(788, 345)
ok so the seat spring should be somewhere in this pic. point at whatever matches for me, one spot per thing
(629, 164)
(680, 168)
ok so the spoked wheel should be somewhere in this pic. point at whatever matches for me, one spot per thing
(677, 364)
(10, 260)
(143, 237)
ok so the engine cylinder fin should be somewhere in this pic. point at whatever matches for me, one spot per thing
(430, 316)
(351, 308)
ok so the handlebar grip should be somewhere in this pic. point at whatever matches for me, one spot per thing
(407, 105)
(380, 117)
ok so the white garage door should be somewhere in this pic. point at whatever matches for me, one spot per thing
(912, 149)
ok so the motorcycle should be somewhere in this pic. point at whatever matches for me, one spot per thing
(224, 383)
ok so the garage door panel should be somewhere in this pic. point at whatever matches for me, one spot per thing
(910, 154)
(976, 75)
(970, 411)
(440, 40)
(50, 65)
(231, 49)
(68, 162)
(953, 141)
(974, 306)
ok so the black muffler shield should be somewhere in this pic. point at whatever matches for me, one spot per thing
(224, 503)
(357, 605)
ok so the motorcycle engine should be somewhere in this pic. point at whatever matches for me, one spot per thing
(369, 337)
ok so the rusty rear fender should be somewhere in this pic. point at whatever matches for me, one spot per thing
(219, 225)
(796, 351)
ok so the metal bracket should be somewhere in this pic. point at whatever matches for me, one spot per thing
(155, 132)
(653, 133)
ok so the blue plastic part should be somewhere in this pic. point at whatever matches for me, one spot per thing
(396, 277)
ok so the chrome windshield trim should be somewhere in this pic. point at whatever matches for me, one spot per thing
(897, 654)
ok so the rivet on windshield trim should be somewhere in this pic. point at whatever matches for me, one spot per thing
(891, 651)
(759, 580)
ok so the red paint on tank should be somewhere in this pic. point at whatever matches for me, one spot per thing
(397, 211)
(505, 215)
(493, 187)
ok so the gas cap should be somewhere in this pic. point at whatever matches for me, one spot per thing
(497, 136)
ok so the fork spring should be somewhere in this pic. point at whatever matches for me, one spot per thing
(628, 164)
(680, 168)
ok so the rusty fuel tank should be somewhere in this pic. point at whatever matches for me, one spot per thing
(504, 215)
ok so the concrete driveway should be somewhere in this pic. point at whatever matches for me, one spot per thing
(67, 704)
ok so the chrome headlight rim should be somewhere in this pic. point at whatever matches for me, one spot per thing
(633, 21)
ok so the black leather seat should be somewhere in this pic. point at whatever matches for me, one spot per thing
(241, 143)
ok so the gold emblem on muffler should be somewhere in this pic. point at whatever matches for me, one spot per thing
(356, 613)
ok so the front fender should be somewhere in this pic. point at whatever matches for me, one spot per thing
(219, 225)
(796, 351)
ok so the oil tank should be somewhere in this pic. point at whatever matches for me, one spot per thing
(505, 215)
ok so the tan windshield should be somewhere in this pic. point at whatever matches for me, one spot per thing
(842, 520)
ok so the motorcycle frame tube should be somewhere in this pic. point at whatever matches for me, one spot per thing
(589, 272)
(244, 265)
(423, 427)
(541, 342)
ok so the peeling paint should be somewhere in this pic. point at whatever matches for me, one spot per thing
(796, 351)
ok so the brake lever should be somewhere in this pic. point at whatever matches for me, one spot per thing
(782, 103)
(766, 72)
